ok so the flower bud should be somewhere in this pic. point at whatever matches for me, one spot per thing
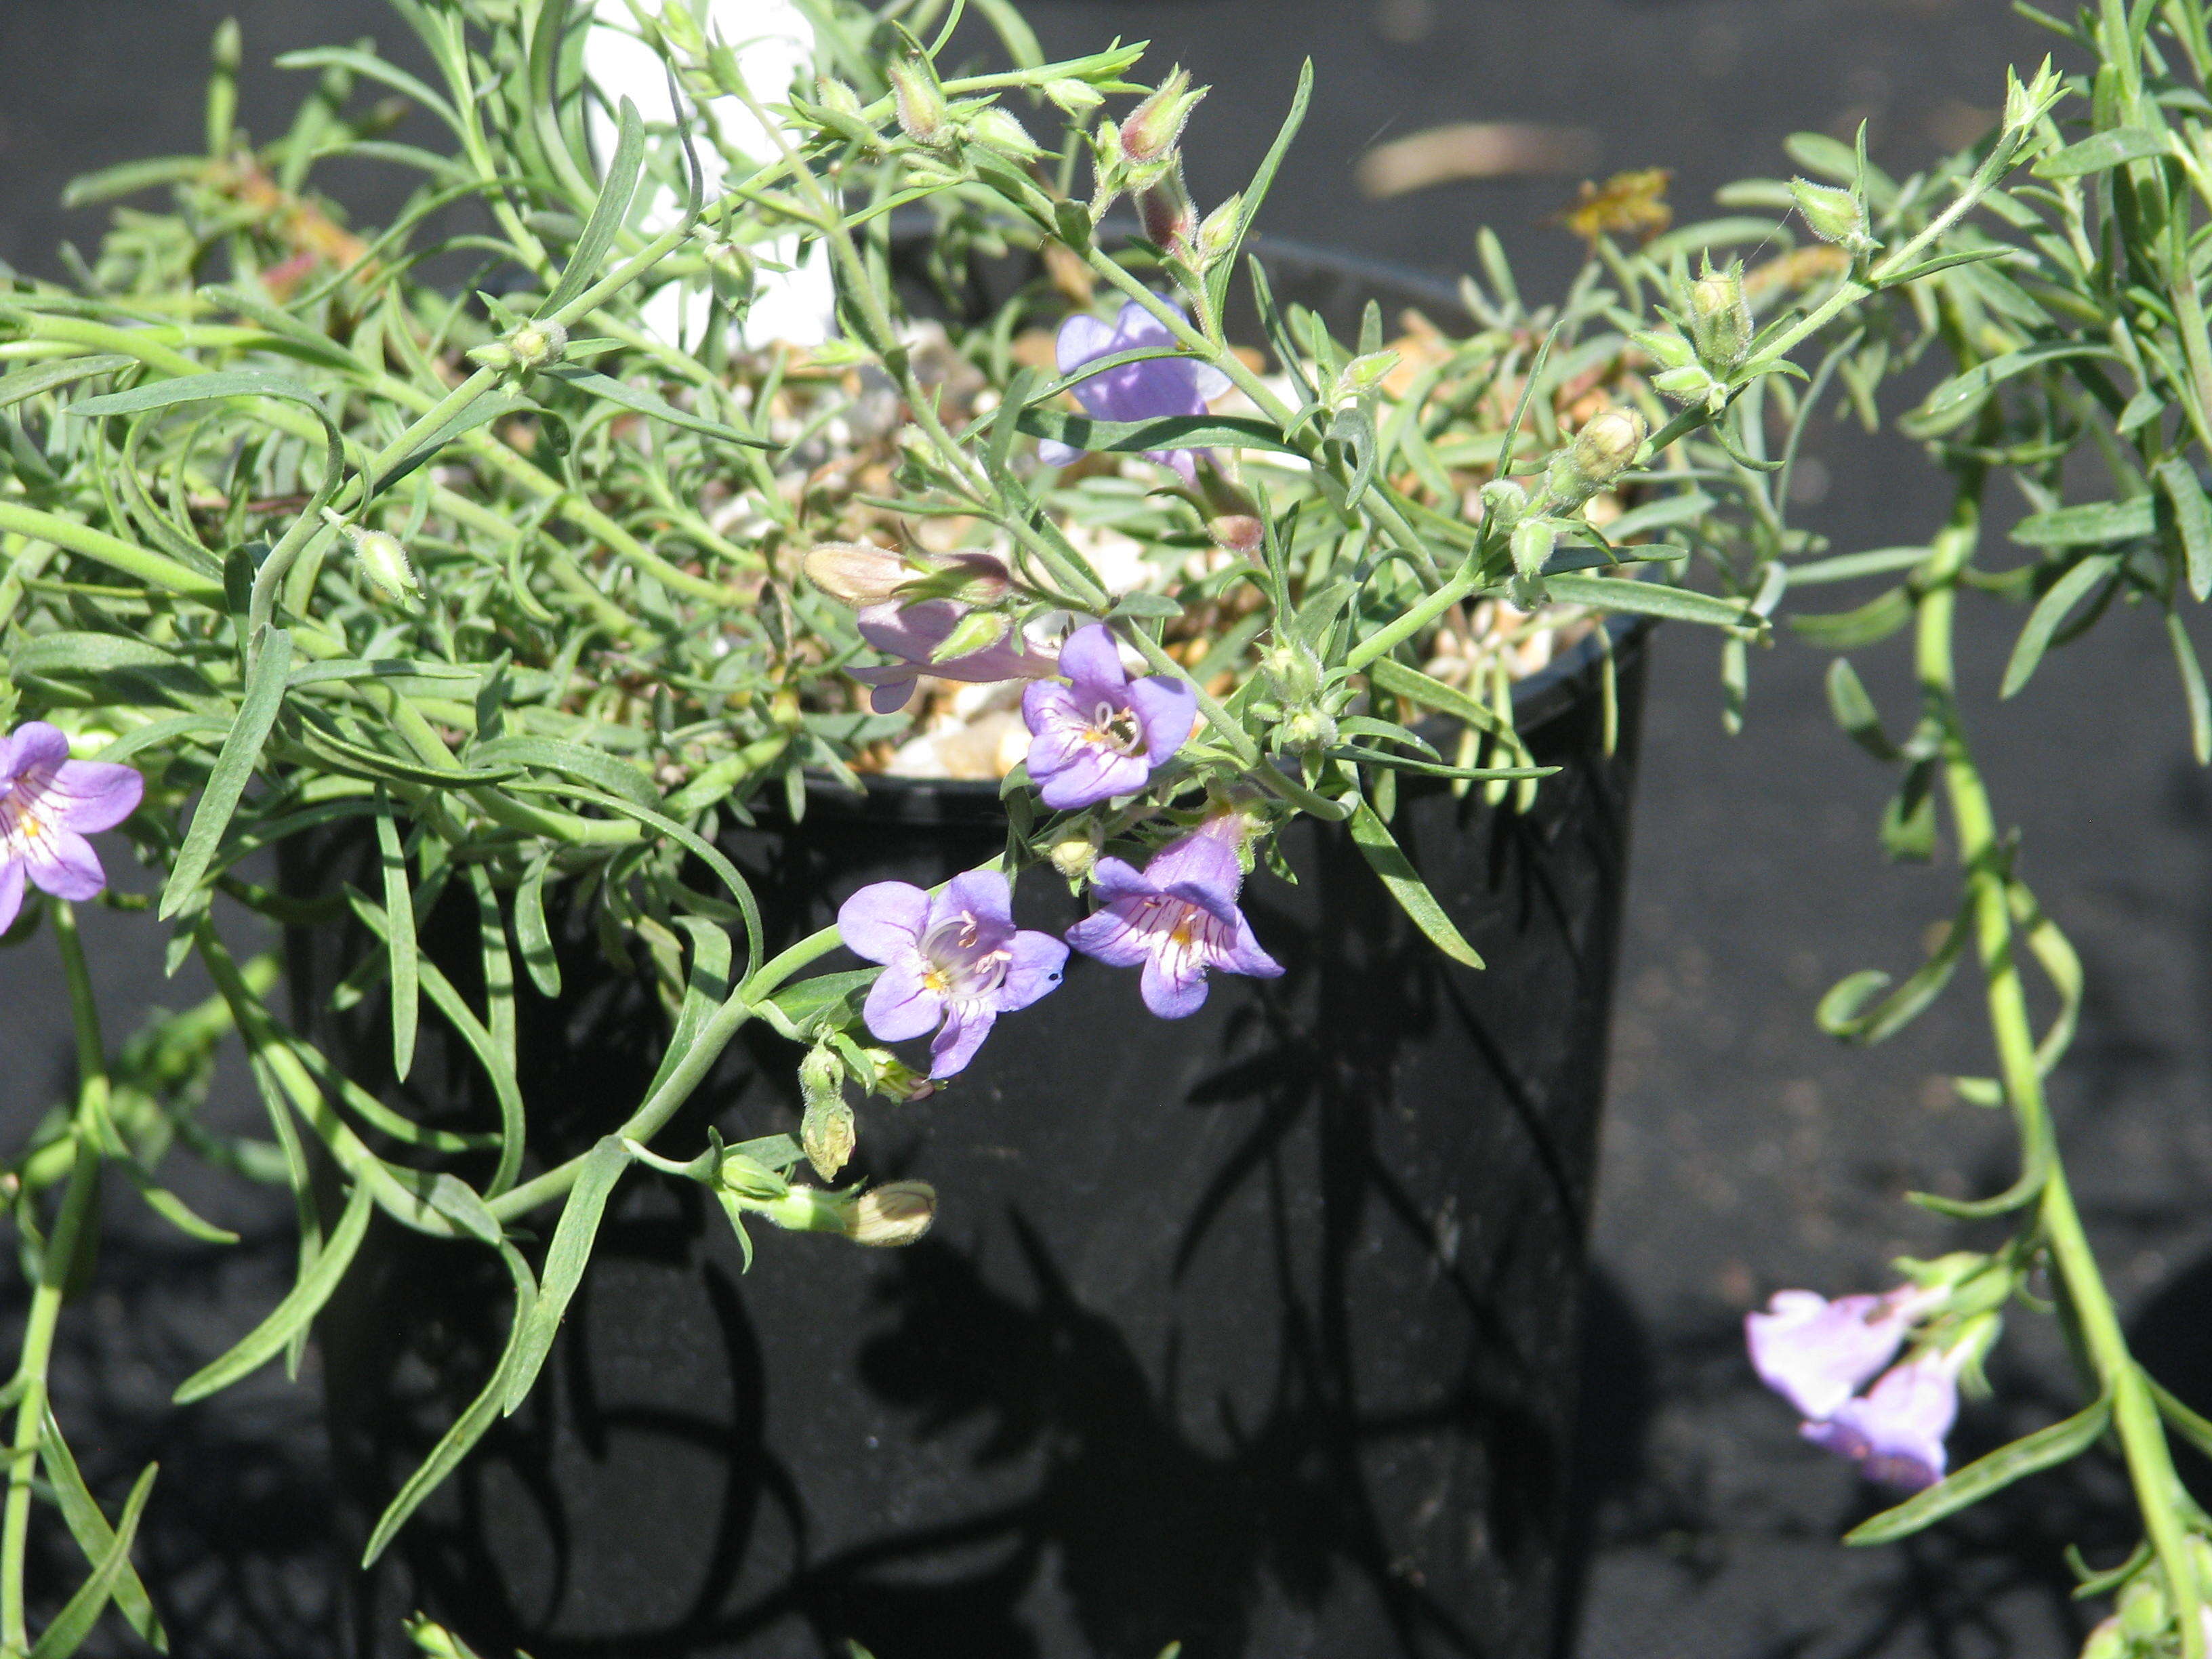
(1165, 213)
(897, 1213)
(1073, 96)
(1216, 233)
(919, 103)
(1075, 855)
(2107, 1641)
(1503, 503)
(1293, 672)
(1238, 533)
(1152, 131)
(896, 1080)
(1600, 454)
(492, 355)
(1834, 215)
(748, 1177)
(837, 97)
(537, 343)
(979, 630)
(1720, 321)
(999, 129)
(2144, 1614)
(437, 1641)
(384, 561)
(1304, 729)
(1533, 541)
(857, 573)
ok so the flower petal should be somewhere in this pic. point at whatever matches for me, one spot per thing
(983, 894)
(1184, 461)
(1177, 991)
(1109, 936)
(1199, 868)
(899, 1006)
(1091, 660)
(34, 742)
(85, 795)
(1166, 708)
(1815, 1353)
(1243, 955)
(62, 862)
(910, 631)
(1093, 774)
(883, 922)
(1039, 960)
(1136, 328)
(1113, 880)
(1053, 453)
(1082, 338)
(11, 892)
(966, 1026)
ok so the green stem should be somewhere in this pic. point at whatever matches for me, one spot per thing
(79, 1201)
(2135, 1418)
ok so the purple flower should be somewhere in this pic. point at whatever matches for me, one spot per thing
(952, 963)
(1101, 734)
(1816, 1353)
(47, 802)
(911, 632)
(1894, 1432)
(1146, 391)
(1178, 918)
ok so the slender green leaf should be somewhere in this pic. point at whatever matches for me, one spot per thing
(399, 941)
(301, 1304)
(2192, 517)
(1849, 1011)
(82, 1514)
(478, 412)
(2192, 690)
(565, 1261)
(1169, 432)
(2092, 524)
(609, 213)
(82, 1610)
(1959, 395)
(469, 1428)
(645, 403)
(2045, 1449)
(241, 753)
(30, 382)
(198, 388)
(530, 932)
(2098, 151)
(1256, 193)
(594, 767)
(1381, 850)
(1846, 630)
(2068, 590)
(1855, 711)
(1644, 598)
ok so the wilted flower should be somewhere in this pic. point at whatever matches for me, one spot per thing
(1177, 919)
(952, 963)
(1816, 1353)
(1101, 734)
(1147, 390)
(1602, 451)
(897, 1213)
(912, 632)
(861, 574)
(48, 803)
(1894, 1432)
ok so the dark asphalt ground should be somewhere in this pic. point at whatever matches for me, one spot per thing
(1744, 1151)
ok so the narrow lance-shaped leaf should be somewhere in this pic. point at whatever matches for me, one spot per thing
(241, 752)
(82, 1514)
(565, 1261)
(301, 1304)
(1855, 711)
(2192, 517)
(608, 212)
(76, 1619)
(2045, 1449)
(399, 941)
(531, 931)
(469, 1428)
(2068, 590)
(1383, 853)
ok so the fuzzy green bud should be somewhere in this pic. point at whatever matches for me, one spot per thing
(2143, 1613)
(1216, 233)
(1602, 451)
(2107, 1641)
(1720, 321)
(998, 129)
(384, 561)
(1075, 855)
(437, 1641)
(1293, 672)
(919, 103)
(749, 1177)
(535, 344)
(1303, 730)
(1150, 132)
(896, 1080)
(1073, 96)
(1503, 503)
(1834, 215)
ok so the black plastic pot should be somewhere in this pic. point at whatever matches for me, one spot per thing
(1254, 1331)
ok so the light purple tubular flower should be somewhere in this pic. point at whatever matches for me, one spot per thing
(1815, 1353)
(1177, 918)
(48, 802)
(1894, 1432)
(1146, 391)
(911, 632)
(1103, 733)
(952, 963)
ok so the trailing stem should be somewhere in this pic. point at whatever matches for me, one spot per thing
(80, 1199)
(2158, 1489)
